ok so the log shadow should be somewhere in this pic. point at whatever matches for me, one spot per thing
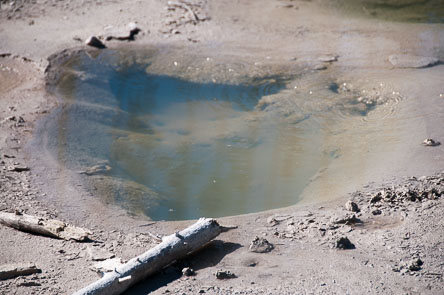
(209, 256)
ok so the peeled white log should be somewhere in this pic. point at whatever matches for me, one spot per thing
(173, 247)
(43, 226)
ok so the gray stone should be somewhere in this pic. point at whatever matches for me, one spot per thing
(430, 142)
(328, 58)
(224, 275)
(376, 212)
(260, 245)
(95, 42)
(126, 34)
(187, 271)
(344, 244)
(352, 206)
(415, 264)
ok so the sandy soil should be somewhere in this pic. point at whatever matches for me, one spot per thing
(391, 232)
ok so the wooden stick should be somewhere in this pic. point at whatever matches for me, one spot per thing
(173, 247)
(10, 271)
(43, 226)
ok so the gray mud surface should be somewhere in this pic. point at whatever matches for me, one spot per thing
(393, 245)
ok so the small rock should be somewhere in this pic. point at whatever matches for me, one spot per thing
(260, 245)
(224, 275)
(328, 58)
(125, 36)
(415, 265)
(376, 212)
(430, 142)
(352, 206)
(187, 271)
(344, 243)
(376, 198)
(412, 61)
(10, 118)
(95, 42)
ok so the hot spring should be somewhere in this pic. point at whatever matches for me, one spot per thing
(178, 136)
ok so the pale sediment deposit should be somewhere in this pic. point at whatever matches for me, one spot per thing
(367, 77)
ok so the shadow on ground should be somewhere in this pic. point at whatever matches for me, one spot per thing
(210, 256)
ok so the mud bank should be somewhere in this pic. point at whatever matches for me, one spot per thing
(397, 235)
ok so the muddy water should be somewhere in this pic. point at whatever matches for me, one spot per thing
(184, 136)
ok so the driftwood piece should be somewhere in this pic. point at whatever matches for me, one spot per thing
(10, 271)
(173, 247)
(43, 226)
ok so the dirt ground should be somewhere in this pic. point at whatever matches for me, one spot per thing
(397, 235)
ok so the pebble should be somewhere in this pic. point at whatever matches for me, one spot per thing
(430, 142)
(415, 264)
(93, 41)
(352, 206)
(344, 243)
(376, 212)
(328, 58)
(224, 275)
(187, 271)
(260, 245)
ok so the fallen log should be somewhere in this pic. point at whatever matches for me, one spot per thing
(43, 226)
(172, 248)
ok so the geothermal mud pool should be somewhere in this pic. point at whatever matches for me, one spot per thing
(203, 136)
